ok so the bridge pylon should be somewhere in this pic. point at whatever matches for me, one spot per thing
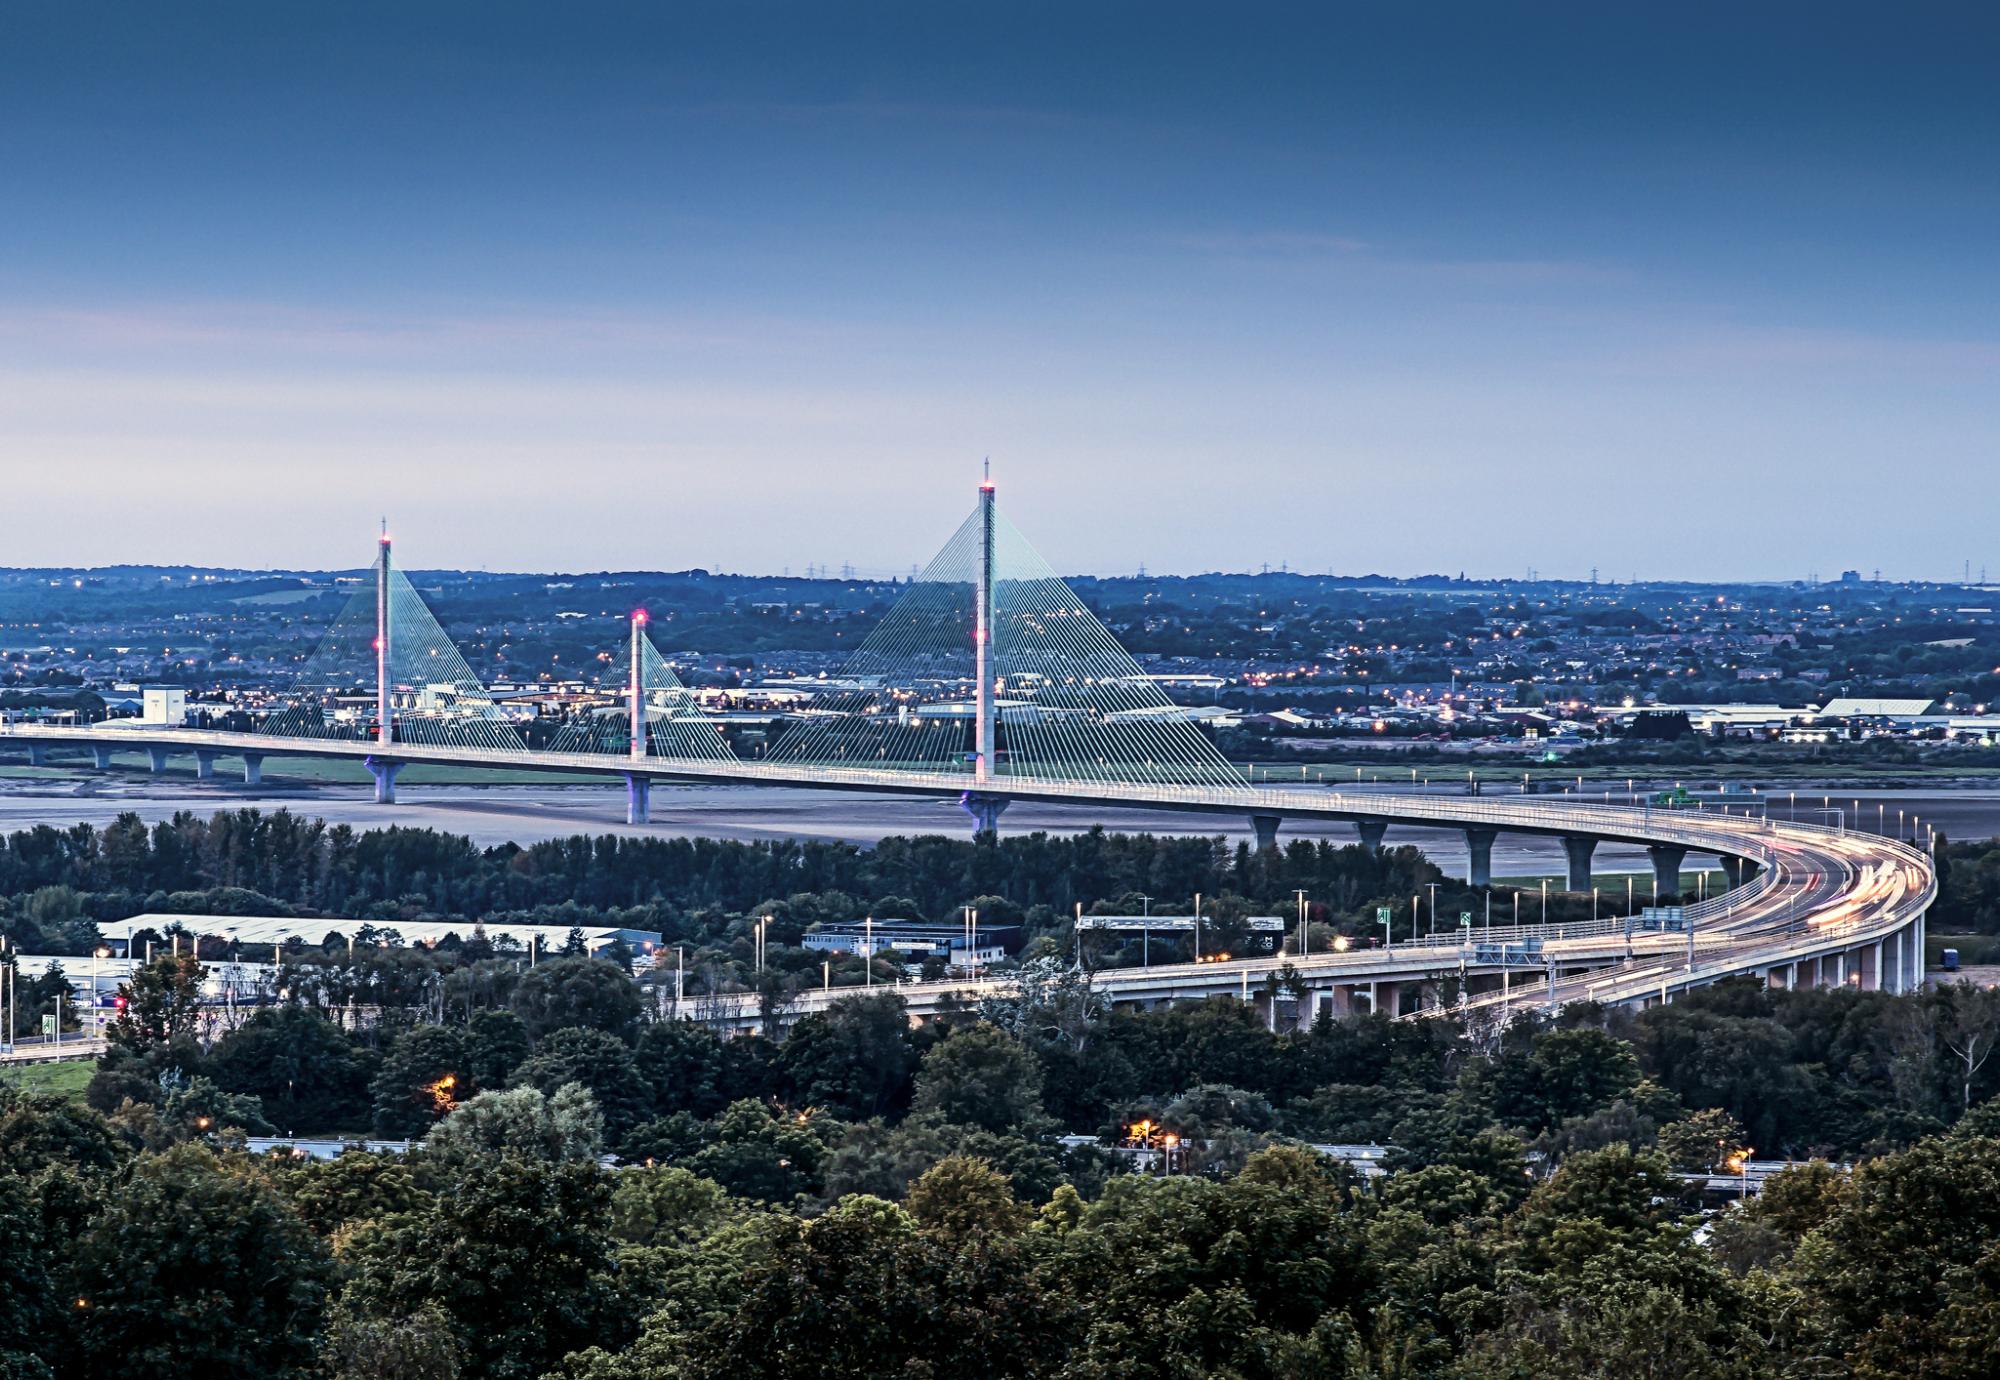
(990, 668)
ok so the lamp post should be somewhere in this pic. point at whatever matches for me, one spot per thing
(1304, 939)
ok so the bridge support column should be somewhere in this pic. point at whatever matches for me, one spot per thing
(204, 765)
(1579, 847)
(1266, 829)
(985, 811)
(1371, 831)
(1388, 998)
(253, 768)
(1479, 844)
(157, 756)
(38, 754)
(638, 798)
(1738, 871)
(102, 757)
(385, 774)
(1667, 859)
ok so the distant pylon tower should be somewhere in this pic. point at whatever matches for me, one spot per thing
(637, 748)
(982, 640)
(384, 727)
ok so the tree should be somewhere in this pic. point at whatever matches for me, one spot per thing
(419, 1081)
(200, 1108)
(961, 1197)
(657, 1205)
(420, 1346)
(1596, 1200)
(683, 1066)
(1969, 1028)
(162, 1004)
(841, 1295)
(750, 1150)
(1900, 1272)
(516, 1256)
(1053, 1003)
(40, 1131)
(495, 1044)
(980, 1076)
(521, 1121)
(310, 1077)
(585, 992)
(595, 1060)
(1257, 1268)
(29, 1317)
(195, 1268)
(854, 1059)
(1562, 1074)
(1702, 1142)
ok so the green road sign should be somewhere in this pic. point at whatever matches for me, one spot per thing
(1382, 914)
(1465, 917)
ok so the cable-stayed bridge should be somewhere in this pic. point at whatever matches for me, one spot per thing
(991, 682)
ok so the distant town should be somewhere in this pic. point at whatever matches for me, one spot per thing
(1280, 666)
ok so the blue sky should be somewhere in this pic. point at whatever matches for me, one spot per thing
(1679, 290)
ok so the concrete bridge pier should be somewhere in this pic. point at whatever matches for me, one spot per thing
(638, 798)
(385, 774)
(1266, 829)
(1739, 870)
(1371, 831)
(38, 754)
(102, 757)
(985, 811)
(157, 756)
(1667, 859)
(1479, 844)
(1579, 847)
(253, 768)
(204, 764)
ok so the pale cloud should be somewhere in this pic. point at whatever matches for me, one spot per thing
(1323, 249)
(260, 329)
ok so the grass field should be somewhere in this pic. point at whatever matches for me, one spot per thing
(66, 1079)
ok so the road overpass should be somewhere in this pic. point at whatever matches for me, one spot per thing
(1810, 905)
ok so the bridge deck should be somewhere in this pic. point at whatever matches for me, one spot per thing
(1820, 891)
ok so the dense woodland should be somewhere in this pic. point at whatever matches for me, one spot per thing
(868, 1198)
(597, 1192)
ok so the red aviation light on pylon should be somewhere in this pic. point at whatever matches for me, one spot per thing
(638, 615)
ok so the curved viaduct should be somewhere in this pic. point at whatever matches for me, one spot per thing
(1807, 905)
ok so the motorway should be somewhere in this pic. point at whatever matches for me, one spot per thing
(1817, 894)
